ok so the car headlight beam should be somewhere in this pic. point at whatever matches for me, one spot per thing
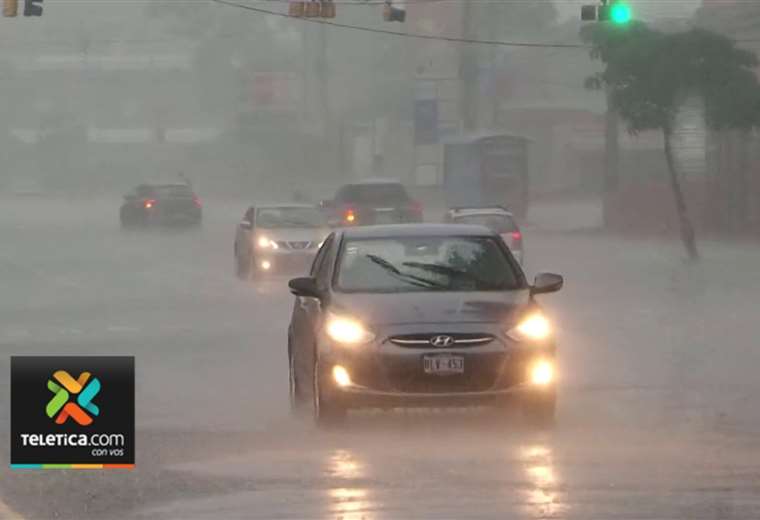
(346, 330)
(265, 242)
(534, 327)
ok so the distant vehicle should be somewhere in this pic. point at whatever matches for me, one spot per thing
(487, 170)
(420, 315)
(161, 204)
(278, 237)
(372, 202)
(496, 219)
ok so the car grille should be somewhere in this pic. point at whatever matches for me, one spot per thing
(480, 375)
(295, 245)
(457, 340)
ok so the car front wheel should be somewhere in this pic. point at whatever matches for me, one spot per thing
(294, 388)
(241, 267)
(327, 412)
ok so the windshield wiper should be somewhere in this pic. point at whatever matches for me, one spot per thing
(296, 223)
(449, 271)
(406, 277)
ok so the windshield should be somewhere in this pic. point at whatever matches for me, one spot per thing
(172, 191)
(424, 264)
(497, 223)
(276, 218)
(390, 193)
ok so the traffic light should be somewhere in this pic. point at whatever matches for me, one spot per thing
(10, 8)
(32, 8)
(312, 9)
(616, 11)
(328, 9)
(620, 13)
(393, 14)
(588, 13)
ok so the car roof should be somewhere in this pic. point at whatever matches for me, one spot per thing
(373, 180)
(416, 230)
(474, 137)
(495, 210)
(284, 205)
(164, 185)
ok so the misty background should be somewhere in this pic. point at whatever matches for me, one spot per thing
(248, 104)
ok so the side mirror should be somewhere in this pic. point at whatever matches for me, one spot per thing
(246, 224)
(305, 286)
(547, 283)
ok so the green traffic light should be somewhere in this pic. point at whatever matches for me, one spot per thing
(620, 13)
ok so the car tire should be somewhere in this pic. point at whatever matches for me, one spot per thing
(327, 414)
(539, 408)
(241, 268)
(252, 273)
(295, 392)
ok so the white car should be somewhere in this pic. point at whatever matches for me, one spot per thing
(496, 218)
(280, 237)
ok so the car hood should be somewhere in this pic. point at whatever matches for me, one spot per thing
(295, 234)
(431, 307)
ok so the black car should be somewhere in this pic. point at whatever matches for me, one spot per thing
(372, 202)
(161, 204)
(419, 315)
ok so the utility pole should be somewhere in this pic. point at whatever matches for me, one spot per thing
(467, 68)
(323, 75)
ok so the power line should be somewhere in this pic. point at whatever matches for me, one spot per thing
(417, 36)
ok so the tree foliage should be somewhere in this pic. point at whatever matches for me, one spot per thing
(649, 73)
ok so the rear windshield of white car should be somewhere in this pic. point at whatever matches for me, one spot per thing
(497, 223)
(409, 264)
(277, 218)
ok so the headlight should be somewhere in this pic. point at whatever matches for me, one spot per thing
(264, 243)
(542, 373)
(535, 327)
(347, 330)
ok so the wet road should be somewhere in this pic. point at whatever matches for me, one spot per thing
(657, 420)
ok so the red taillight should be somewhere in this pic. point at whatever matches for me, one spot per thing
(416, 207)
(350, 216)
(148, 204)
(197, 201)
(517, 236)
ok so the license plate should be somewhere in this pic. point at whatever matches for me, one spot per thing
(443, 364)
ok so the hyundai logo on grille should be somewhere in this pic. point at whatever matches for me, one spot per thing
(441, 341)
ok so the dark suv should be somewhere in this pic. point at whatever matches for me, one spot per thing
(150, 204)
(370, 202)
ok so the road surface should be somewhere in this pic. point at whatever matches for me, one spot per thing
(658, 416)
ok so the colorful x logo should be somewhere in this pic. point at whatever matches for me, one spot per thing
(84, 388)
